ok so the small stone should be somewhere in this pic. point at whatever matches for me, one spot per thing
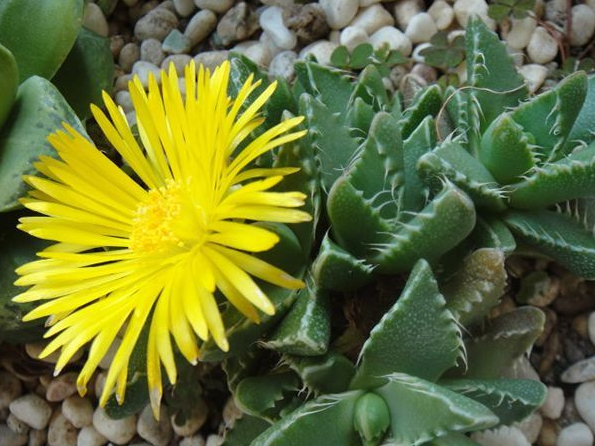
(193, 422)
(176, 43)
(116, 43)
(534, 75)
(542, 47)
(94, 20)
(100, 379)
(117, 431)
(282, 65)
(554, 403)
(271, 21)
(352, 36)
(584, 399)
(580, 372)
(465, 9)
(158, 433)
(426, 72)
(577, 434)
(78, 410)
(218, 6)
(372, 18)
(37, 437)
(442, 13)
(549, 433)
(590, 326)
(10, 438)
(196, 440)
(16, 425)
(421, 28)
(339, 12)
(211, 59)
(521, 369)
(530, 427)
(307, 22)
(231, 412)
(157, 24)
(509, 436)
(32, 410)
(239, 23)
(88, 436)
(129, 54)
(61, 431)
(405, 10)
(150, 51)
(143, 69)
(179, 60)
(61, 387)
(34, 350)
(200, 26)
(184, 7)
(395, 39)
(214, 440)
(521, 32)
(131, 118)
(259, 54)
(268, 43)
(10, 389)
(321, 50)
(583, 25)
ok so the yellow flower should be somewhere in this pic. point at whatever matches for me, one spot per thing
(156, 250)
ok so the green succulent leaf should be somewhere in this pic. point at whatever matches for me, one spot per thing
(330, 86)
(439, 227)
(371, 419)
(511, 400)
(491, 232)
(9, 82)
(452, 440)
(427, 102)
(360, 56)
(370, 88)
(245, 430)
(359, 117)
(557, 235)
(340, 57)
(87, 71)
(503, 340)
(477, 287)
(326, 420)
(39, 34)
(324, 374)
(422, 411)
(336, 269)
(39, 110)
(306, 328)
(417, 336)
(583, 130)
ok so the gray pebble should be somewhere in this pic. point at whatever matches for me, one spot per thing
(10, 438)
(282, 65)
(129, 54)
(88, 436)
(158, 433)
(10, 389)
(117, 431)
(143, 69)
(16, 425)
(78, 410)
(61, 431)
(176, 43)
(179, 60)
(157, 24)
(218, 6)
(184, 7)
(239, 23)
(37, 437)
(150, 51)
(94, 20)
(61, 387)
(211, 59)
(32, 410)
(200, 26)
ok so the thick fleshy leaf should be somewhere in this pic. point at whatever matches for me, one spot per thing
(427, 102)
(452, 440)
(329, 373)
(9, 81)
(39, 34)
(245, 430)
(491, 232)
(502, 341)
(327, 420)
(417, 336)
(421, 411)
(584, 125)
(39, 110)
(330, 86)
(370, 88)
(337, 270)
(557, 235)
(477, 286)
(87, 71)
(511, 400)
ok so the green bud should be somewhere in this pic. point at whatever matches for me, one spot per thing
(371, 418)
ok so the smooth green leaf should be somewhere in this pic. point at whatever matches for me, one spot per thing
(264, 396)
(328, 373)
(245, 430)
(9, 81)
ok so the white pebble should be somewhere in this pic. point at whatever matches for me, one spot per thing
(442, 13)
(542, 47)
(61, 387)
(352, 36)
(266, 40)
(530, 427)
(94, 20)
(16, 425)
(214, 440)
(584, 400)
(116, 431)
(150, 51)
(577, 434)
(218, 6)
(583, 25)
(521, 32)
(100, 380)
(184, 7)
(10, 438)
(193, 421)
(282, 65)
(200, 26)
(421, 28)
(465, 9)
(534, 75)
(259, 54)
(395, 39)
(34, 350)
(554, 403)
(590, 328)
(405, 10)
(88, 436)
(77, 410)
(32, 410)
(372, 18)
(321, 50)
(339, 12)
(271, 21)
(158, 433)
(61, 431)
(365, 3)
(143, 69)
(179, 60)
(580, 372)
(196, 440)
(157, 24)
(211, 59)
(521, 369)
(10, 389)
(509, 436)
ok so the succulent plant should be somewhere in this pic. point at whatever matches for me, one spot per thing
(418, 379)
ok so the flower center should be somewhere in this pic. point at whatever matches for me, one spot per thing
(166, 220)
